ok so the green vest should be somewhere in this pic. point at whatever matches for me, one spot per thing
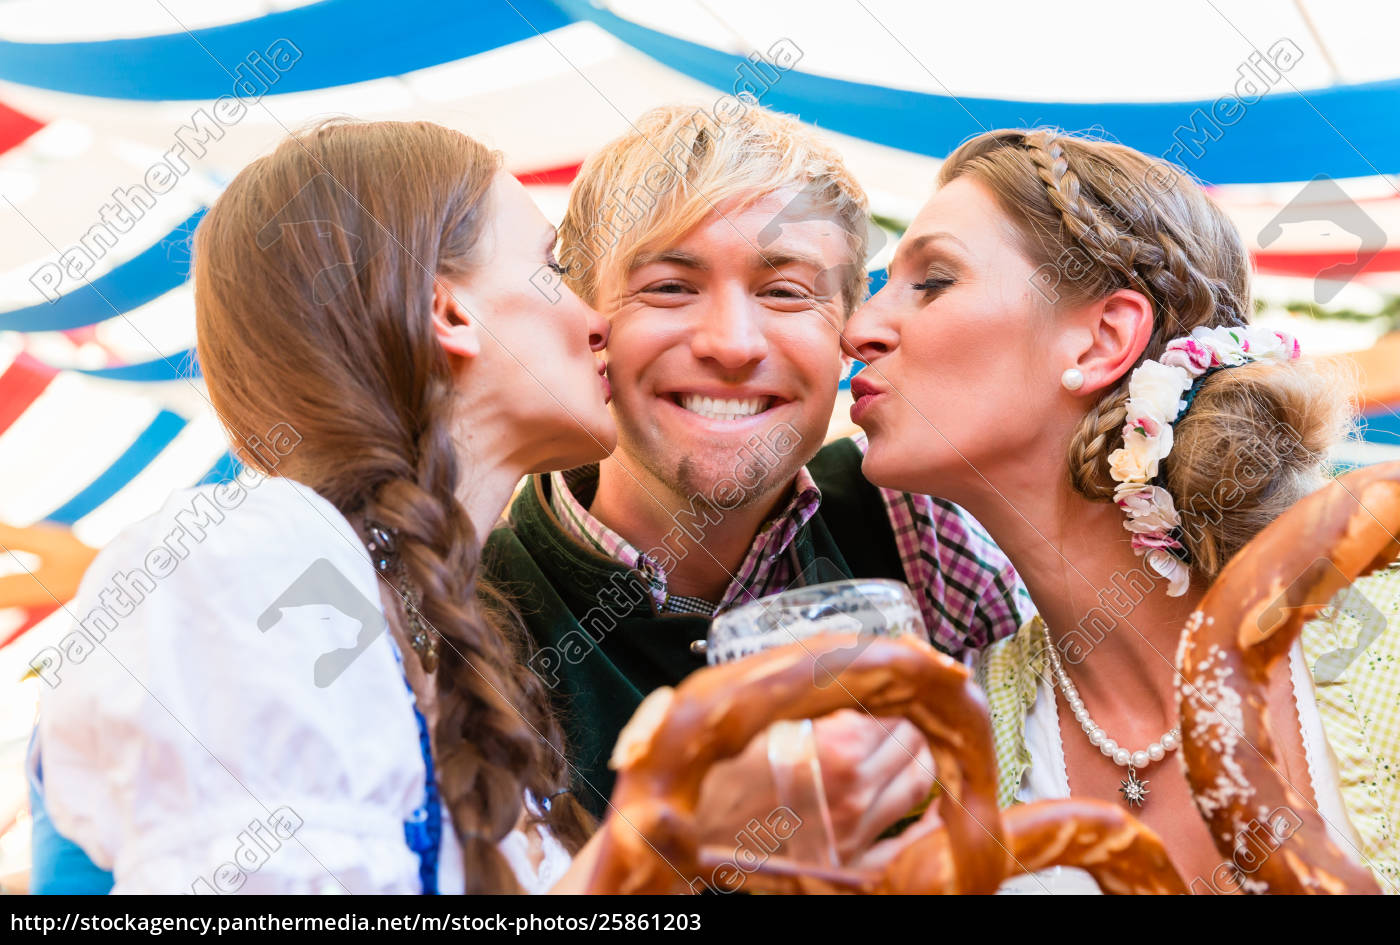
(600, 644)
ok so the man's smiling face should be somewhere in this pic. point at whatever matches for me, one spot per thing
(723, 336)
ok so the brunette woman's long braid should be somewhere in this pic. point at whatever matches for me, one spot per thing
(314, 278)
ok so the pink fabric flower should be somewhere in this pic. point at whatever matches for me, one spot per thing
(1128, 495)
(1150, 510)
(1189, 354)
(1148, 541)
(1143, 426)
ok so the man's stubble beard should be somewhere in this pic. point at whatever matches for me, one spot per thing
(693, 477)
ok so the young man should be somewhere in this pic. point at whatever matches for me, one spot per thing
(727, 254)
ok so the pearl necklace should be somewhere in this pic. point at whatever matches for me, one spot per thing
(1133, 790)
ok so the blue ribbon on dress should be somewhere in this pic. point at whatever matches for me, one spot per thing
(423, 829)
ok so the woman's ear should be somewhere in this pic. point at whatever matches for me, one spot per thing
(454, 326)
(1115, 331)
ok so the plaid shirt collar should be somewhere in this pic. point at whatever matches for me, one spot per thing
(753, 577)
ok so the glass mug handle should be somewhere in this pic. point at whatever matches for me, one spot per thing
(797, 779)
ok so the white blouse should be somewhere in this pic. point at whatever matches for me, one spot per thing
(231, 716)
(1047, 776)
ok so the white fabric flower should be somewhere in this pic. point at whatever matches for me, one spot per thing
(1172, 568)
(1273, 345)
(1145, 442)
(1155, 391)
(1227, 343)
(1126, 466)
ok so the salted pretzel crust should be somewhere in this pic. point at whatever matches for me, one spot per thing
(1245, 625)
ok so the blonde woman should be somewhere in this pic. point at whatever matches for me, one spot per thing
(1047, 315)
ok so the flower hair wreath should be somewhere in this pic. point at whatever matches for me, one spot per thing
(1159, 393)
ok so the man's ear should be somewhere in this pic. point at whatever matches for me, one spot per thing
(1114, 333)
(455, 328)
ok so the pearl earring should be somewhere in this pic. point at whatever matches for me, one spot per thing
(1072, 379)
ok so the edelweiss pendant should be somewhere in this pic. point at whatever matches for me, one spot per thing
(1134, 791)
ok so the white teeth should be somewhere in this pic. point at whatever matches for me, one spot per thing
(717, 409)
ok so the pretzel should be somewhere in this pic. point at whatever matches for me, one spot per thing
(63, 559)
(1119, 851)
(961, 844)
(1245, 625)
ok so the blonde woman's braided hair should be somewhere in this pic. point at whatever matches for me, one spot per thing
(1097, 217)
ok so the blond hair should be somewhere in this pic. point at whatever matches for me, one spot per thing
(645, 190)
(1099, 217)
